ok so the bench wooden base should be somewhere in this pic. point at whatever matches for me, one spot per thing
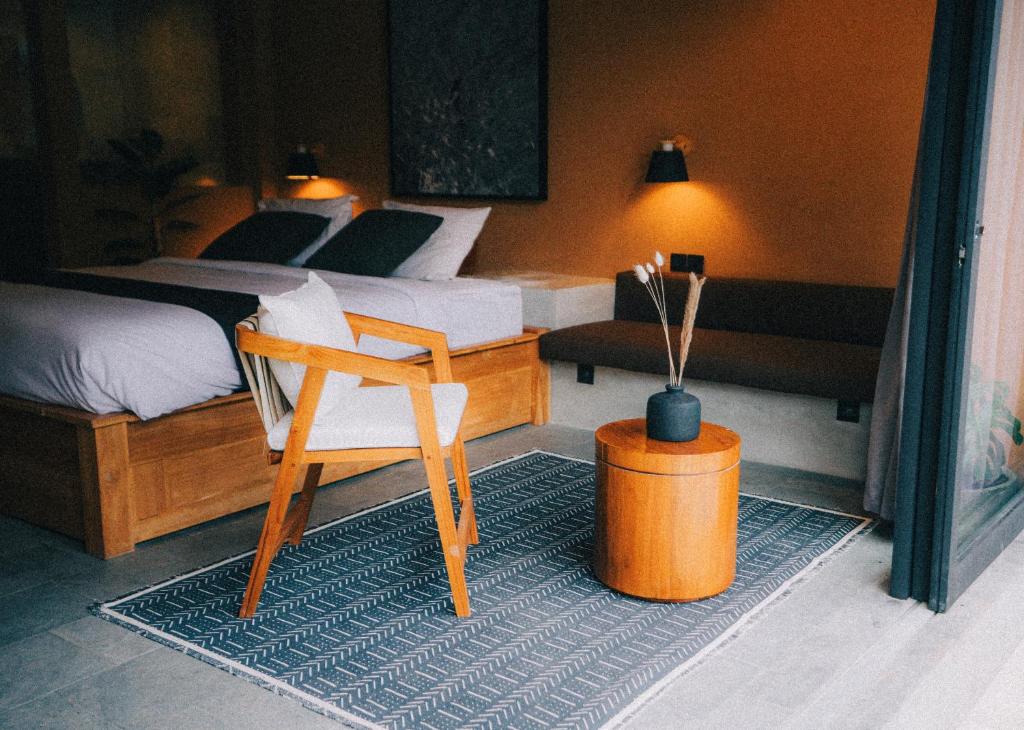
(114, 480)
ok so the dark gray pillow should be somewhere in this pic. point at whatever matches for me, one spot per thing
(375, 243)
(267, 237)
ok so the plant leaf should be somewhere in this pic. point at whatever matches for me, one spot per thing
(175, 168)
(178, 202)
(151, 143)
(126, 150)
(164, 176)
(179, 226)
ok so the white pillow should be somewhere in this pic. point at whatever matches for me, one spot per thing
(310, 314)
(339, 210)
(443, 253)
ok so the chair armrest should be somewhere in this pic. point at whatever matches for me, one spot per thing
(364, 325)
(329, 358)
(436, 342)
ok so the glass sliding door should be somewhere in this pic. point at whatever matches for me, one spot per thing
(980, 485)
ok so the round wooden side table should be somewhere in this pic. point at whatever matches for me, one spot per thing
(665, 515)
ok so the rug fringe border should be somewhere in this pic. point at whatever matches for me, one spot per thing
(105, 611)
(237, 670)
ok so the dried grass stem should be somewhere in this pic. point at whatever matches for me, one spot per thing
(689, 318)
(651, 278)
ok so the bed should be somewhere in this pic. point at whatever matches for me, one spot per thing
(123, 419)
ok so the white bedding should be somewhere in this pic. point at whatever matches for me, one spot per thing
(107, 354)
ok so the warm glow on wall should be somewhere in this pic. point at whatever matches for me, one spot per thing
(691, 217)
(677, 206)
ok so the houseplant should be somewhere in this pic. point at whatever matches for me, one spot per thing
(140, 162)
(673, 415)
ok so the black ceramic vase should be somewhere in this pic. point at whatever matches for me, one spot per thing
(673, 415)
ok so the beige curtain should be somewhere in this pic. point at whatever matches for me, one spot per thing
(887, 409)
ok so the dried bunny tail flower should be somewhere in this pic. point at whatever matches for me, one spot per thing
(659, 259)
(656, 290)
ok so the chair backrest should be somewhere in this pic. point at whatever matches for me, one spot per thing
(270, 401)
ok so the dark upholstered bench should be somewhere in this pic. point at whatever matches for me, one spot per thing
(812, 339)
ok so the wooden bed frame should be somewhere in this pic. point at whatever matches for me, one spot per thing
(114, 480)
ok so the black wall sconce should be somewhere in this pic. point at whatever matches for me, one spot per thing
(667, 164)
(302, 165)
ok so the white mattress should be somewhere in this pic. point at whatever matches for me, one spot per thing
(107, 354)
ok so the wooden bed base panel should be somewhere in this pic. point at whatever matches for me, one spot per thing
(114, 480)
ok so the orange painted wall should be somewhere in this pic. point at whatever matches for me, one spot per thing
(804, 115)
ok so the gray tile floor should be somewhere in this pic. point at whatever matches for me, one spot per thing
(837, 652)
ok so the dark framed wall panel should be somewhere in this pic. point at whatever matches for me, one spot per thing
(468, 98)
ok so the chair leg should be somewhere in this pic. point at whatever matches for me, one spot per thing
(270, 538)
(453, 558)
(305, 502)
(461, 469)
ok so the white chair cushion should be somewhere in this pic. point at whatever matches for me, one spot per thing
(310, 314)
(443, 253)
(376, 417)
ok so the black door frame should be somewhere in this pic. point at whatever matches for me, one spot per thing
(948, 174)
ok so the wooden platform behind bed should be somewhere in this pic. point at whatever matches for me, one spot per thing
(114, 480)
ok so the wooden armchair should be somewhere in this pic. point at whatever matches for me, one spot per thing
(379, 423)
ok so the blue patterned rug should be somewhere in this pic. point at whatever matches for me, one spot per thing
(357, 621)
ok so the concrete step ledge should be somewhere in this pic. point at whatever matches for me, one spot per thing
(796, 431)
